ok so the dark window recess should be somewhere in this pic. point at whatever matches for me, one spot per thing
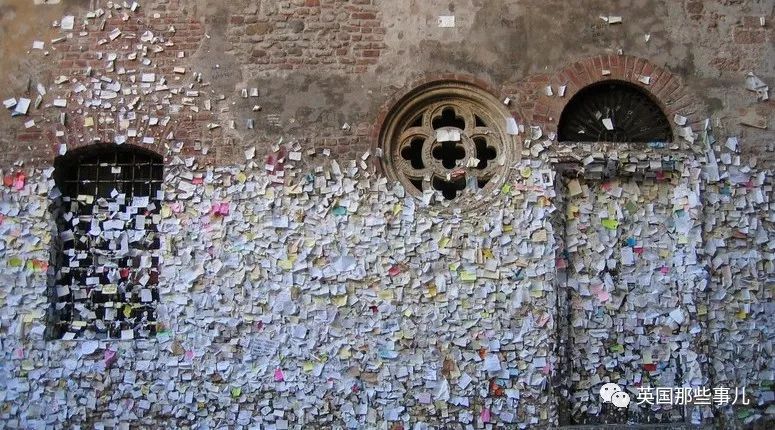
(448, 118)
(413, 153)
(449, 153)
(484, 153)
(449, 188)
(106, 255)
(613, 111)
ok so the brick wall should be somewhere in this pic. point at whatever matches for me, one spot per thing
(151, 40)
(340, 61)
(321, 35)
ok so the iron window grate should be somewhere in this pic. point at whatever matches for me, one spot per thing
(613, 111)
(106, 256)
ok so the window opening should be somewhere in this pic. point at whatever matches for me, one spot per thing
(106, 254)
(613, 111)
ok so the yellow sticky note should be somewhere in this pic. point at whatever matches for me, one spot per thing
(127, 311)
(506, 188)
(467, 276)
(574, 188)
(408, 313)
(663, 253)
(431, 290)
(526, 172)
(702, 310)
(285, 264)
(571, 212)
(683, 240)
(610, 223)
(308, 366)
(539, 236)
(386, 294)
(397, 208)
(166, 211)
(741, 315)
(345, 353)
(444, 242)
(340, 301)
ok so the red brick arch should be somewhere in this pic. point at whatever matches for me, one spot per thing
(666, 88)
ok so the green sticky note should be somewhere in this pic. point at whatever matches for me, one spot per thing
(631, 207)
(340, 210)
(617, 348)
(610, 223)
(236, 392)
(15, 262)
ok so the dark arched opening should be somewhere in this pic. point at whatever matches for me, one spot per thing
(613, 111)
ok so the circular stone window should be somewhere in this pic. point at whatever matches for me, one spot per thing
(449, 137)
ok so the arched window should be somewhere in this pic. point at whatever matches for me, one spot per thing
(613, 111)
(106, 254)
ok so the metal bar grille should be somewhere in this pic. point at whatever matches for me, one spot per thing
(99, 174)
(633, 116)
(107, 255)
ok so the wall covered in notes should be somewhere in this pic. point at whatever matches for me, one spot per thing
(270, 276)
(335, 300)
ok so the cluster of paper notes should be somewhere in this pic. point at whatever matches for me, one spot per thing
(667, 257)
(129, 94)
(106, 267)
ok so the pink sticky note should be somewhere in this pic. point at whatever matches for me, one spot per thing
(224, 209)
(18, 182)
(189, 355)
(278, 375)
(485, 415)
(109, 356)
(395, 270)
(665, 270)
(601, 294)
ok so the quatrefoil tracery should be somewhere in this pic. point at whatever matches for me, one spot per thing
(448, 137)
(447, 147)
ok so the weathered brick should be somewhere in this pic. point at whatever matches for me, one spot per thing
(743, 36)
